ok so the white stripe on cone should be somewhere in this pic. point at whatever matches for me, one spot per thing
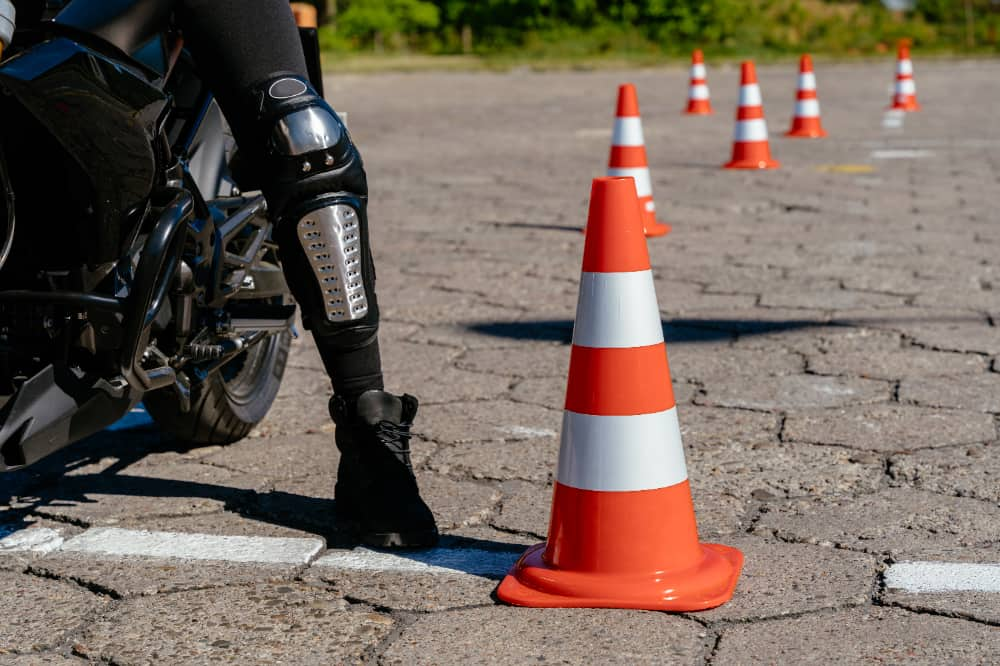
(628, 132)
(807, 81)
(643, 184)
(698, 71)
(807, 108)
(750, 95)
(699, 91)
(905, 67)
(905, 87)
(751, 130)
(617, 310)
(621, 453)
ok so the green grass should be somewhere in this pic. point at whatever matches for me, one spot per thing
(368, 63)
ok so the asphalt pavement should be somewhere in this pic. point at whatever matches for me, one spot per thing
(833, 330)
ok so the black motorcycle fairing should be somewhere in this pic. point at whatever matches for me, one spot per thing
(128, 24)
(53, 407)
(59, 404)
(116, 114)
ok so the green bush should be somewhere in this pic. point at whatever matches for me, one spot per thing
(376, 21)
(582, 28)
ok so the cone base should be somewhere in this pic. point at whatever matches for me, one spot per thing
(904, 107)
(654, 229)
(752, 164)
(649, 230)
(803, 133)
(698, 110)
(534, 583)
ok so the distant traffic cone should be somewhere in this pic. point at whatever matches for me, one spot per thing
(628, 157)
(698, 97)
(750, 147)
(806, 122)
(622, 532)
(306, 15)
(905, 97)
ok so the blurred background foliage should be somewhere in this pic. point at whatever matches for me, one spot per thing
(540, 29)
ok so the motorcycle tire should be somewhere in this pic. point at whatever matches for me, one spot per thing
(227, 405)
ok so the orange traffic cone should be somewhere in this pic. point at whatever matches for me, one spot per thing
(306, 15)
(806, 122)
(750, 147)
(622, 532)
(698, 97)
(905, 97)
(628, 157)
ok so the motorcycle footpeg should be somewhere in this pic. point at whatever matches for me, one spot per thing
(260, 317)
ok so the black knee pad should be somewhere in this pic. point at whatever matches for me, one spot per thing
(307, 150)
(316, 188)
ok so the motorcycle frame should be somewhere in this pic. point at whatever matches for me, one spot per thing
(57, 406)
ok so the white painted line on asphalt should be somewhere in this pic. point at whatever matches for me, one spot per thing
(262, 550)
(525, 432)
(920, 577)
(32, 540)
(471, 561)
(893, 119)
(258, 550)
(944, 144)
(901, 154)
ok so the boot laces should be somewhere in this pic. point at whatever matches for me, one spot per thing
(396, 438)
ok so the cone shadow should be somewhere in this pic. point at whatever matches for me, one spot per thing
(676, 331)
(695, 330)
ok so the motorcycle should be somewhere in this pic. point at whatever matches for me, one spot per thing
(132, 266)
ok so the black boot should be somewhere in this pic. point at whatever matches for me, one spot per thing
(376, 491)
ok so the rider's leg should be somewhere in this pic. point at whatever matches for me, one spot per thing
(312, 175)
(242, 47)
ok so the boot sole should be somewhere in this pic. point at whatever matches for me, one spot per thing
(419, 539)
(400, 539)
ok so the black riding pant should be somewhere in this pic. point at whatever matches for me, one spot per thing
(239, 44)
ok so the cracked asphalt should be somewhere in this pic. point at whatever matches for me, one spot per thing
(833, 330)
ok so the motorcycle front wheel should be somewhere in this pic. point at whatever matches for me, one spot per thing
(227, 405)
